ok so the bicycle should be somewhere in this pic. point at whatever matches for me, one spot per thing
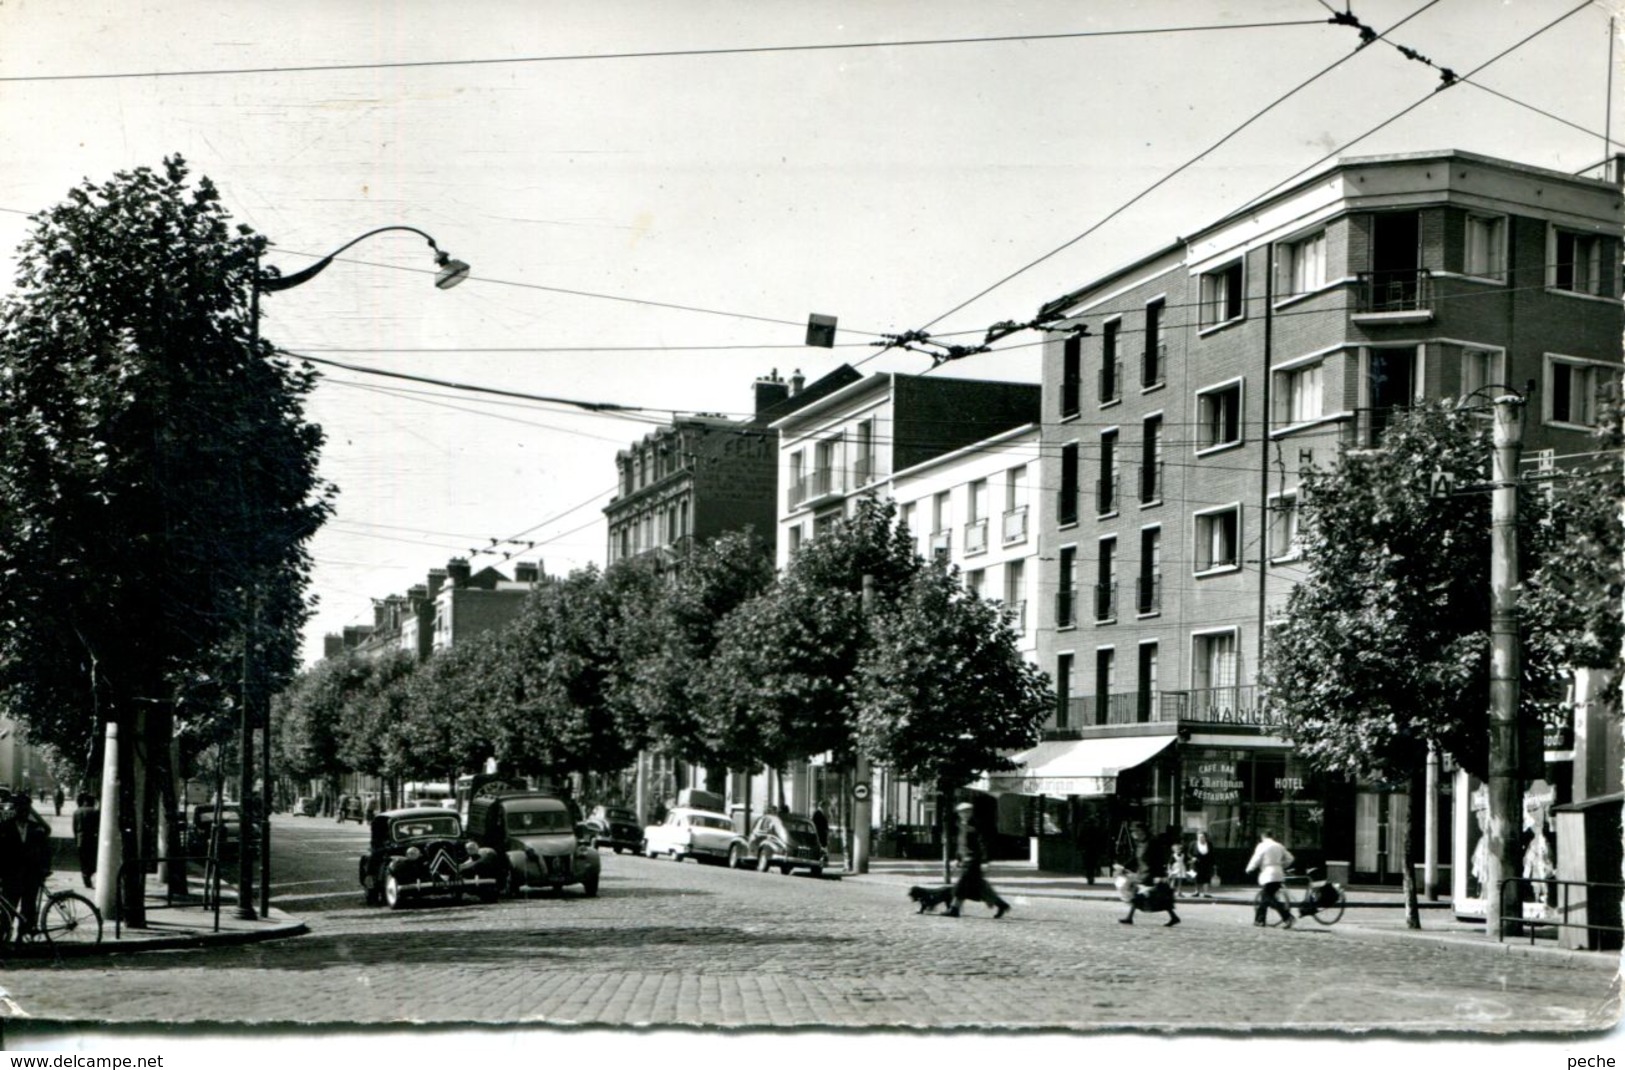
(1323, 900)
(62, 918)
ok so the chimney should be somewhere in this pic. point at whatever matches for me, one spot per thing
(332, 645)
(797, 381)
(770, 391)
(416, 596)
(437, 580)
(380, 614)
(524, 571)
(457, 571)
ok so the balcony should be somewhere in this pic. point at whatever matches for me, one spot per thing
(942, 544)
(824, 484)
(1154, 365)
(863, 473)
(1066, 607)
(1106, 494)
(976, 537)
(1240, 705)
(1148, 595)
(1150, 483)
(1090, 711)
(1105, 602)
(1111, 381)
(798, 492)
(1402, 296)
(1015, 525)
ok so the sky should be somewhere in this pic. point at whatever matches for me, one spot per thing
(653, 196)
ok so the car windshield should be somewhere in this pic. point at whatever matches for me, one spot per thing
(414, 828)
(523, 819)
(707, 822)
(799, 824)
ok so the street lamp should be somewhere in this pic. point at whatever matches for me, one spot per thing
(450, 273)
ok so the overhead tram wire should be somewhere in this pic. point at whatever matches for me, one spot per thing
(657, 54)
(1120, 209)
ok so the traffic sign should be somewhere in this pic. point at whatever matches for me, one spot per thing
(860, 792)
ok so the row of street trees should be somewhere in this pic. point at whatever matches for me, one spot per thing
(721, 664)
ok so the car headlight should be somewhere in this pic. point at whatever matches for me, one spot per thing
(413, 853)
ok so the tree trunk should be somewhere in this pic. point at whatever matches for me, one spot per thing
(1413, 915)
(161, 750)
(134, 886)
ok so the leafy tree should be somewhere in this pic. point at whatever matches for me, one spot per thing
(157, 477)
(371, 739)
(312, 711)
(942, 691)
(1384, 650)
(448, 708)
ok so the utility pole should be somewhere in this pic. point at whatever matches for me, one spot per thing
(862, 777)
(1504, 797)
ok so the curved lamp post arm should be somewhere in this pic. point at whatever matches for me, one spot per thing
(451, 271)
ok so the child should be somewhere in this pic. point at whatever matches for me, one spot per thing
(1178, 869)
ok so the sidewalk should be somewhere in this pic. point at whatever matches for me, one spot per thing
(171, 925)
(1372, 911)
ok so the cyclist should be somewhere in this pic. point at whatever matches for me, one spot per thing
(25, 857)
(1270, 859)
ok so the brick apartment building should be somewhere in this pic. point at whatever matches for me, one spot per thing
(1212, 373)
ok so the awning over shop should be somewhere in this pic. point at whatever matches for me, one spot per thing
(1078, 766)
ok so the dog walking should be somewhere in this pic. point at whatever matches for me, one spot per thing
(972, 854)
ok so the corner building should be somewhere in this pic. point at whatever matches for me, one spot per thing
(1176, 427)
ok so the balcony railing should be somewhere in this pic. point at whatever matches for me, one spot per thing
(1015, 525)
(1016, 614)
(1066, 505)
(798, 491)
(826, 481)
(1404, 290)
(1148, 595)
(863, 472)
(1150, 483)
(1066, 608)
(1111, 380)
(942, 543)
(976, 537)
(1243, 705)
(1105, 601)
(1106, 494)
(1154, 365)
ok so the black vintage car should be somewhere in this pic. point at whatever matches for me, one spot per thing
(422, 852)
(614, 826)
(781, 840)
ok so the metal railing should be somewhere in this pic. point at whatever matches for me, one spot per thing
(1150, 482)
(976, 536)
(1015, 524)
(1065, 608)
(1111, 380)
(1106, 494)
(1154, 365)
(211, 884)
(1241, 705)
(1066, 505)
(798, 491)
(1402, 290)
(1148, 595)
(1612, 889)
(1105, 601)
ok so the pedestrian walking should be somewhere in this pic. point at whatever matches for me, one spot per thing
(25, 857)
(57, 798)
(1201, 863)
(1139, 879)
(87, 829)
(820, 821)
(972, 855)
(1270, 859)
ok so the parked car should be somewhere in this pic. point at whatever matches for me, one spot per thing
(614, 826)
(539, 834)
(421, 852)
(689, 833)
(782, 840)
(359, 808)
(304, 806)
(200, 831)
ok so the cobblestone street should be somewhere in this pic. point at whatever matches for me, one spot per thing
(691, 945)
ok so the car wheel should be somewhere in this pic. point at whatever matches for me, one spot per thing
(618, 850)
(589, 887)
(392, 893)
(816, 871)
(516, 884)
(646, 850)
(786, 868)
(678, 856)
(369, 885)
(764, 861)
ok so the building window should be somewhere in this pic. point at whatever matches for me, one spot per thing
(1111, 365)
(1301, 266)
(1015, 505)
(826, 476)
(1218, 414)
(1063, 690)
(1154, 365)
(1576, 262)
(1151, 460)
(974, 581)
(1146, 682)
(942, 522)
(1066, 498)
(1218, 539)
(1485, 252)
(1221, 295)
(1071, 374)
(795, 537)
(798, 479)
(1480, 368)
(1106, 484)
(976, 522)
(1105, 683)
(1148, 586)
(864, 467)
(1015, 595)
(1214, 660)
(1106, 581)
(906, 516)
(1390, 387)
(1284, 540)
(1298, 397)
(1571, 391)
(1065, 591)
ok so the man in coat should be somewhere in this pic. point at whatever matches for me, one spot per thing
(1270, 859)
(972, 854)
(25, 856)
(87, 828)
